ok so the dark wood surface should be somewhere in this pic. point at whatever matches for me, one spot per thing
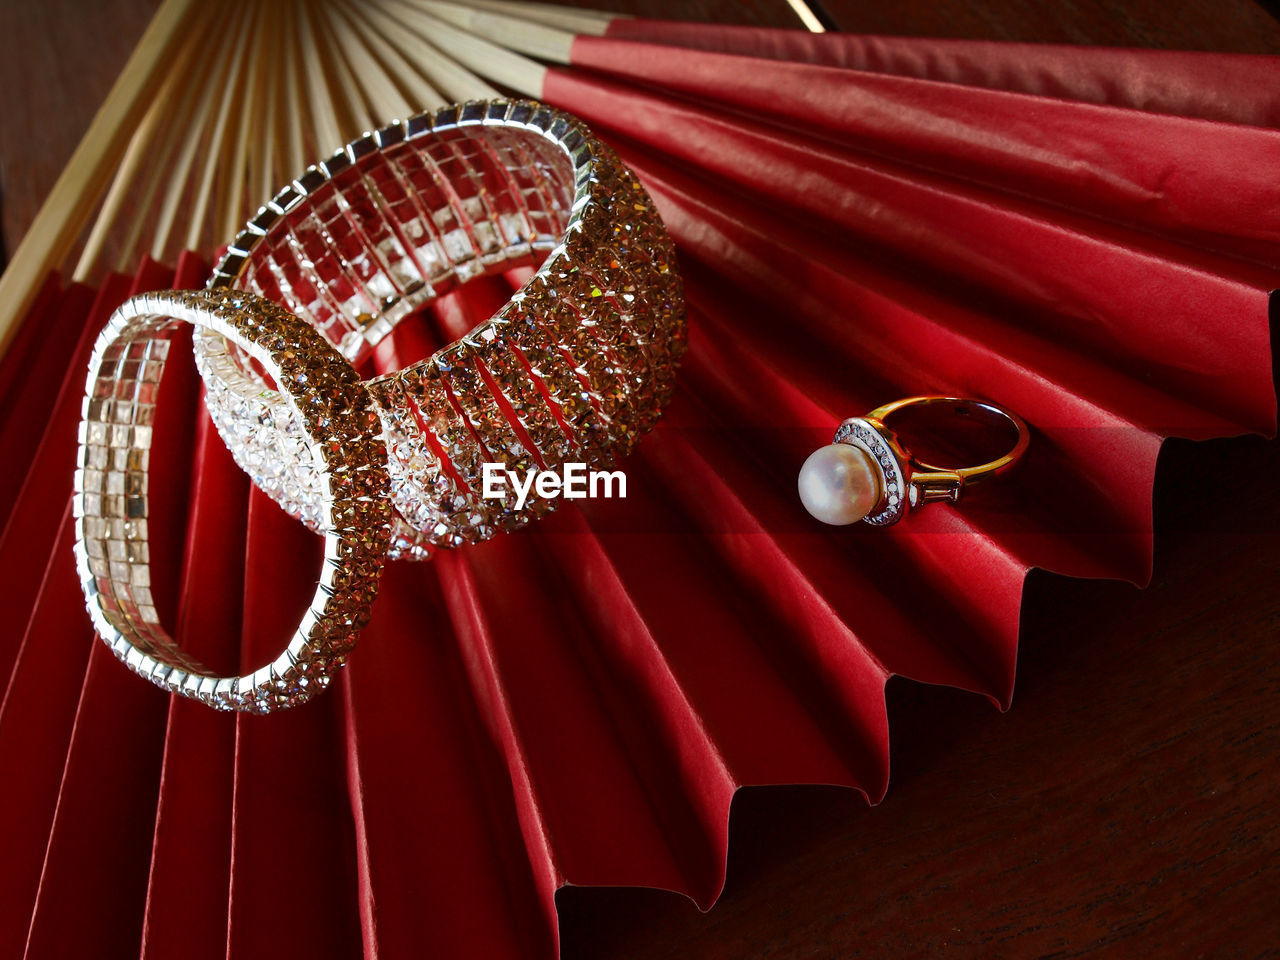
(1125, 807)
(58, 59)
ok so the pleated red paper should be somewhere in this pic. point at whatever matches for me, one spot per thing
(1089, 237)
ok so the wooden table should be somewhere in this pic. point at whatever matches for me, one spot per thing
(1126, 806)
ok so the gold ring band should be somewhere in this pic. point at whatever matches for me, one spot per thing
(947, 479)
(867, 474)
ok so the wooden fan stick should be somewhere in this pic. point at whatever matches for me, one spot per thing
(310, 124)
(64, 214)
(535, 39)
(165, 155)
(163, 152)
(459, 82)
(256, 153)
(178, 188)
(349, 97)
(447, 79)
(351, 91)
(217, 158)
(572, 19)
(137, 152)
(405, 56)
(577, 20)
(327, 130)
(283, 114)
(484, 58)
(159, 152)
(384, 96)
(287, 133)
(137, 226)
(142, 150)
(231, 208)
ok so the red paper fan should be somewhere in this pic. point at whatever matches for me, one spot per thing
(1087, 236)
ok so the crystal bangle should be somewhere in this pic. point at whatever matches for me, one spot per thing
(339, 432)
(574, 368)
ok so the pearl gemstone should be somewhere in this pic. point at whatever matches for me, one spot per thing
(840, 484)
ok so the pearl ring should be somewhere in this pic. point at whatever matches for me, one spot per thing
(866, 474)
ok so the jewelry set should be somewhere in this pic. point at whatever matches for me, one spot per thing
(573, 369)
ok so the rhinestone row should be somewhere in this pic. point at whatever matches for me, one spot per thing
(893, 502)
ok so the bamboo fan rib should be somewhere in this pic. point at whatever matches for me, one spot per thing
(857, 219)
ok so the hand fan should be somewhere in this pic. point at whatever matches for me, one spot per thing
(1087, 236)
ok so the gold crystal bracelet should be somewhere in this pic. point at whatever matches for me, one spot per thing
(574, 368)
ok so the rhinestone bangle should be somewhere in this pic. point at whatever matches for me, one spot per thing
(340, 432)
(574, 368)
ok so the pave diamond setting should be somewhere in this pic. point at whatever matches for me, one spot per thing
(337, 431)
(575, 367)
(894, 500)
